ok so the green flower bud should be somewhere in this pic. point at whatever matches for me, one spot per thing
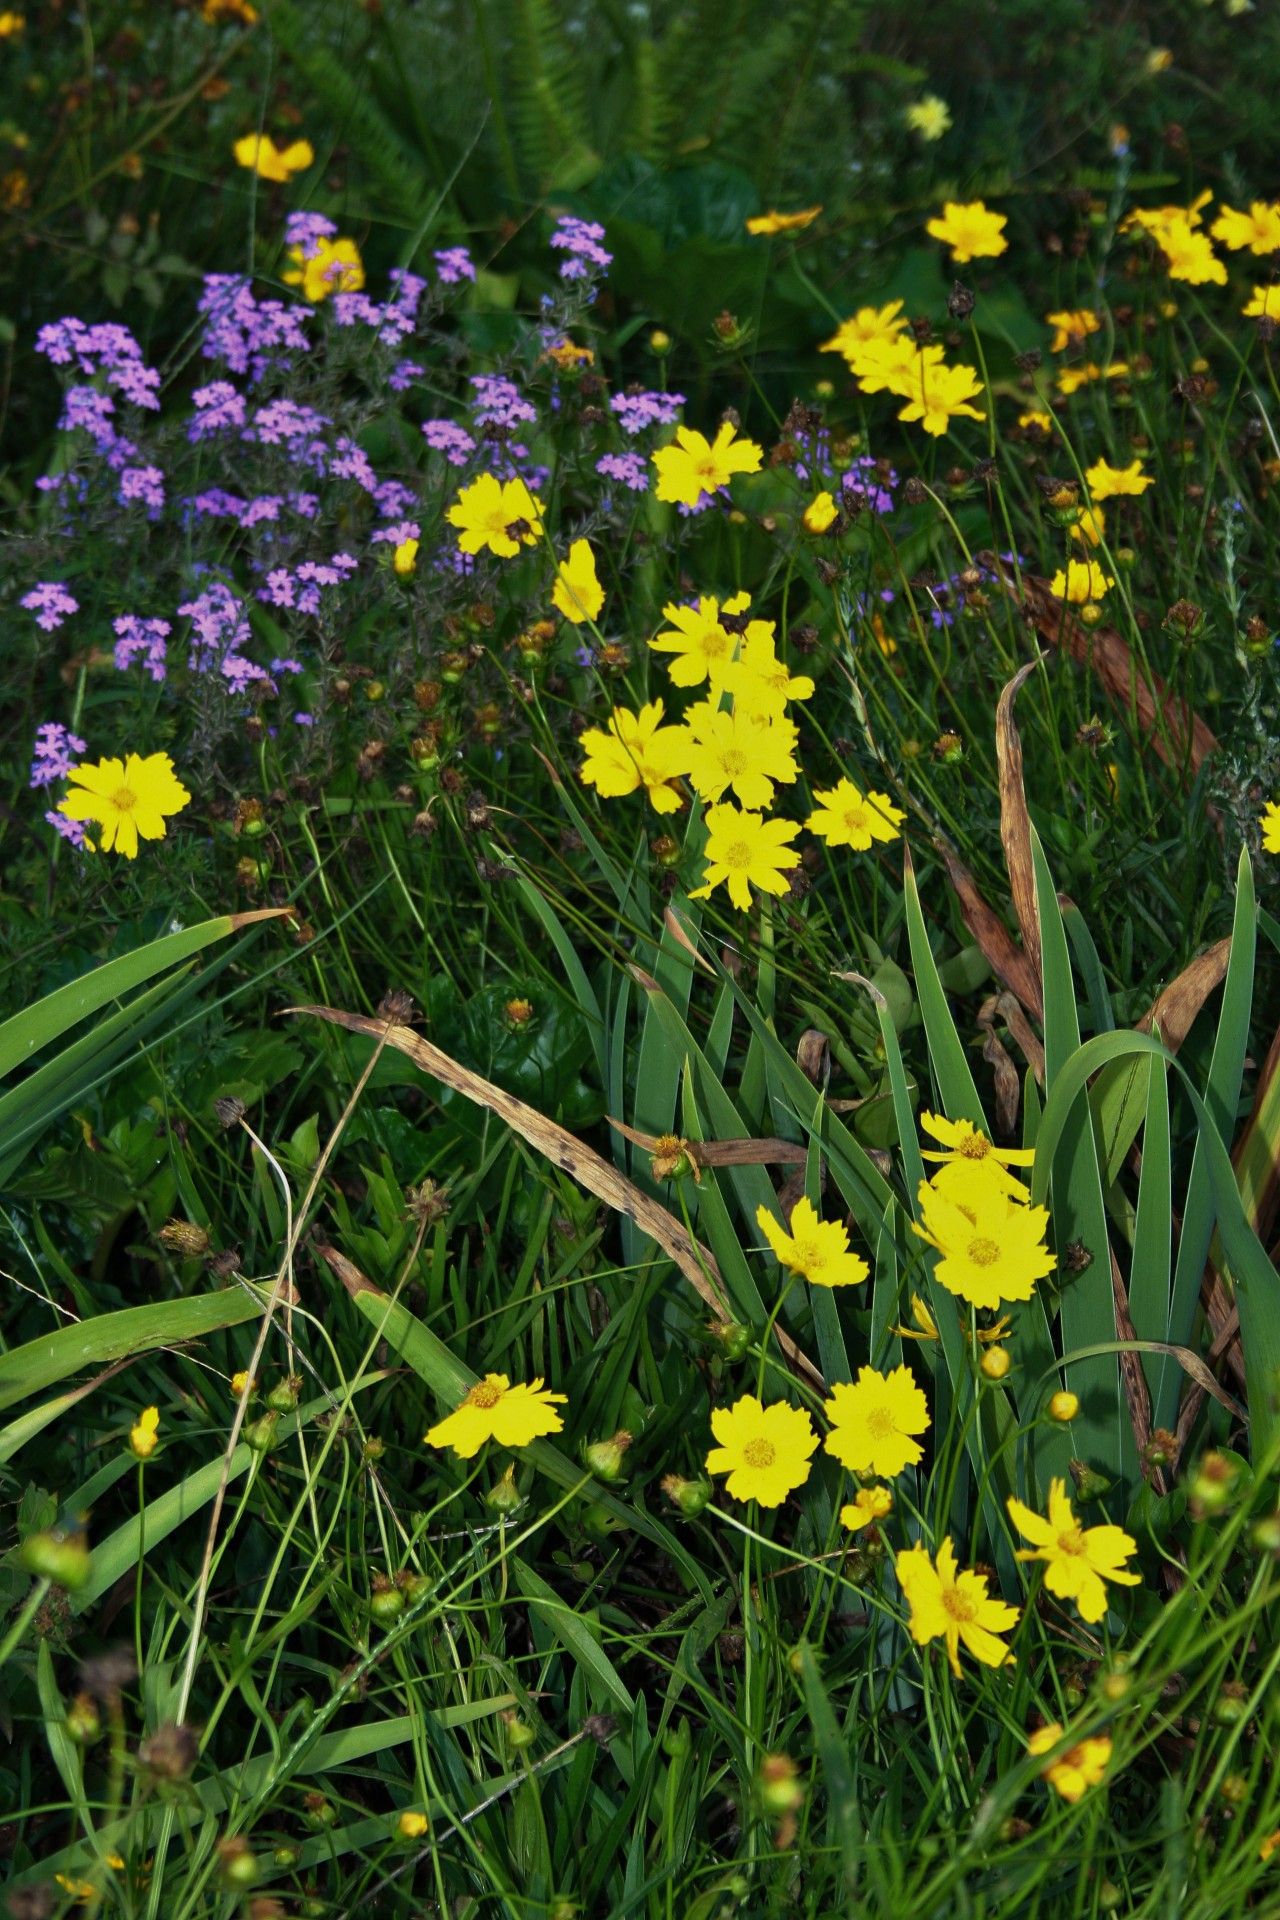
(61, 1557)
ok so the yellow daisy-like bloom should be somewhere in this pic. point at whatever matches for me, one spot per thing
(329, 266)
(1258, 230)
(845, 817)
(703, 647)
(867, 326)
(499, 514)
(262, 156)
(868, 1507)
(1106, 482)
(1264, 304)
(214, 11)
(577, 593)
(816, 1249)
(768, 223)
(873, 1422)
(1090, 529)
(143, 1437)
(965, 1146)
(412, 1825)
(1076, 1770)
(1265, 1849)
(693, 466)
(405, 557)
(970, 229)
(126, 799)
(929, 116)
(636, 751)
(1070, 327)
(240, 1382)
(1071, 379)
(733, 752)
(1191, 256)
(949, 1605)
(936, 394)
(1270, 824)
(761, 684)
(992, 1248)
(764, 1450)
(12, 24)
(1083, 581)
(890, 364)
(1078, 1560)
(1036, 418)
(743, 851)
(821, 513)
(495, 1410)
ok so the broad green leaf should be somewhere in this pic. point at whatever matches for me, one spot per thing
(572, 1632)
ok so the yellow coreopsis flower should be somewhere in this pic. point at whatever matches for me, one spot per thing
(702, 645)
(1263, 305)
(744, 851)
(495, 1410)
(845, 817)
(764, 1450)
(769, 223)
(1265, 1848)
(1106, 482)
(693, 466)
(1078, 1560)
(126, 798)
(1070, 327)
(1191, 256)
(868, 1507)
(892, 365)
(501, 515)
(937, 394)
(405, 557)
(1083, 581)
(215, 10)
(1036, 418)
(412, 1825)
(816, 1249)
(262, 156)
(636, 751)
(966, 1147)
(929, 116)
(953, 1606)
(874, 1421)
(144, 1436)
(1091, 527)
(868, 324)
(733, 752)
(1270, 824)
(970, 229)
(327, 266)
(761, 684)
(577, 592)
(1069, 380)
(992, 1248)
(242, 1383)
(12, 24)
(1258, 230)
(1079, 1768)
(821, 513)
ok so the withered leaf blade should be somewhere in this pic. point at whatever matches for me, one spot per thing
(1015, 822)
(1007, 1083)
(722, 1153)
(999, 948)
(1177, 1005)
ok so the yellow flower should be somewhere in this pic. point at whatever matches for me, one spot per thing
(868, 324)
(1064, 1407)
(1078, 1560)
(873, 1421)
(746, 851)
(783, 222)
(693, 466)
(11, 24)
(495, 1410)
(637, 751)
(499, 514)
(953, 1606)
(821, 513)
(928, 116)
(412, 1826)
(731, 751)
(1079, 1768)
(936, 394)
(1264, 304)
(405, 557)
(760, 683)
(1037, 419)
(260, 154)
(1105, 482)
(764, 1450)
(816, 1249)
(1090, 529)
(970, 230)
(143, 1437)
(698, 638)
(1265, 1849)
(1191, 256)
(242, 1382)
(1258, 230)
(966, 1147)
(868, 1506)
(1083, 581)
(577, 593)
(214, 10)
(1159, 60)
(844, 817)
(1270, 824)
(991, 1247)
(890, 363)
(1070, 327)
(926, 1327)
(567, 356)
(126, 799)
(330, 266)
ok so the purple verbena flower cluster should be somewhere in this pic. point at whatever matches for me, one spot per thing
(141, 640)
(56, 752)
(454, 264)
(51, 604)
(580, 241)
(637, 409)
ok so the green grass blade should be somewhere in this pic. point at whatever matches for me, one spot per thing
(1149, 1271)
(111, 1336)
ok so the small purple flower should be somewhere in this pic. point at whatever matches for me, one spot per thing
(394, 500)
(636, 411)
(306, 230)
(279, 667)
(251, 336)
(143, 639)
(217, 504)
(863, 487)
(580, 240)
(266, 507)
(145, 484)
(56, 753)
(630, 469)
(51, 604)
(304, 720)
(403, 372)
(72, 830)
(453, 441)
(219, 409)
(279, 591)
(454, 264)
(499, 401)
(89, 410)
(351, 462)
(398, 533)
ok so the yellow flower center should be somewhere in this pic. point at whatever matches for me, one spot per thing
(959, 1605)
(984, 1253)
(485, 1395)
(759, 1453)
(125, 799)
(707, 472)
(1073, 1542)
(735, 761)
(880, 1424)
(808, 1256)
(715, 641)
(856, 819)
(975, 1147)
(738, 855)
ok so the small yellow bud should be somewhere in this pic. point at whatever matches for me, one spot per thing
(996, 1363)
(143, 1437)
(411, 1826)
(1064, 1407)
